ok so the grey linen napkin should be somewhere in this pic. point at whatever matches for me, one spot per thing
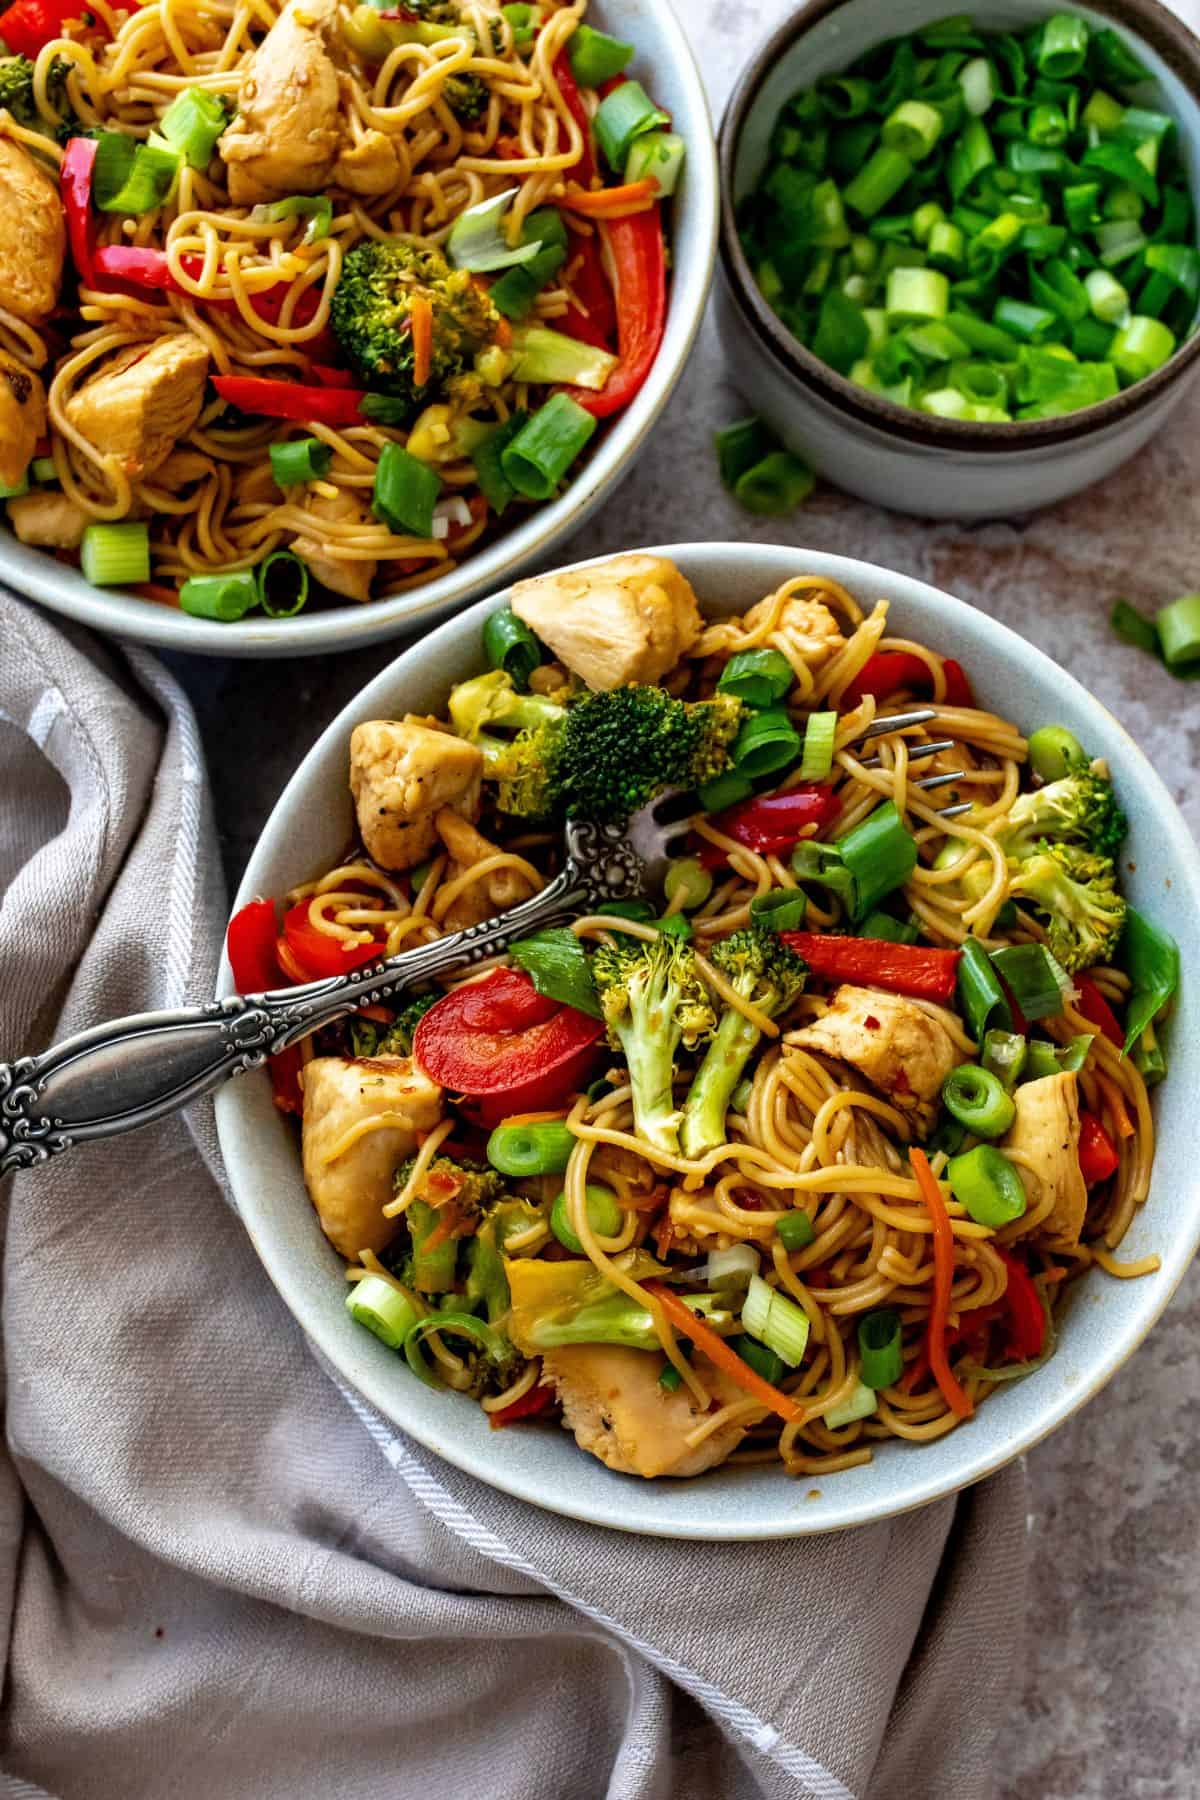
(222, 1575)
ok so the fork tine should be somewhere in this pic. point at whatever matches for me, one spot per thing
(918, 753)
(929, 782)
(954, 812)
(900, 722)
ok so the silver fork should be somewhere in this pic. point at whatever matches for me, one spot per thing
(129, 1072)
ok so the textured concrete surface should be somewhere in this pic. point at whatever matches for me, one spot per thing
(1111, 1708)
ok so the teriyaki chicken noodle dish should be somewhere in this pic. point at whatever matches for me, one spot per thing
(302, 305)
(801, 1153)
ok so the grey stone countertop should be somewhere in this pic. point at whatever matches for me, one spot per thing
(1111, 1706)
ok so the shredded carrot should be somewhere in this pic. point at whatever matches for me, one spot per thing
(421, 320)
(916, 1371)
(156, 591)
(503, 333)
(611, 203)
(1114, 1101)
(955, 1397)
(380, 1014)
(535, 1118)
(718, 1352)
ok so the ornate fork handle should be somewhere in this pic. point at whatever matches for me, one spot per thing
(129, 1072)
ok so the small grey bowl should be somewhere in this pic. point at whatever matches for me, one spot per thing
(872, 447)
(1105, 1320)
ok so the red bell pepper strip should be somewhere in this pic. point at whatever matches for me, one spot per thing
(772, 823)
(1098, 1158)
(899, 968)
(1026, 1315)
(250, 946)
(887, 672)
(594, 320)
(1097, 1011)
(75, 186)
(285, 1067)
(639, 259)
(532, 1405)
(955, 1396)
(316, 952)
(30, 25)
(585, 168)
(500, 1042)
(291, 399)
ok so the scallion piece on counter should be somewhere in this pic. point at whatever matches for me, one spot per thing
(405, 493)
(775, 1321)
(192, 124)
(538, 457)
(987, 1185)
(542, 1147)
(115, 555)
(1179, 632)
(795, 1231)
(509, 644)
(766, 743)
(604, 1216)
(623, 115)
(1132, 627)
(758, 677)
(741, 445)
(301, 459)
(282, 582)
(386, 1312)
(226, 598)
(1028, 972)
(776, 485)
(820, 733)
(978, 1100)
(880, 1345)
(596, 57)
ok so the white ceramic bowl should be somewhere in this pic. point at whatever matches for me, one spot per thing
(1106, 1319)
(893, 455)
(664, 62)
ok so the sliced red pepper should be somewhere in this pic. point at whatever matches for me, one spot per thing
(250, 946)
(639, 260)
(316, 952)
(1026, 1316)
(1098, 1157)
(506, 1046)
(772, 823)
(75, 185)
(594, 320)
(890, 672)
(30, 25)
(1097, 1011)
(291, 400)
(285, 1067)
(585, 168)
(533, 1405)
(899, 968)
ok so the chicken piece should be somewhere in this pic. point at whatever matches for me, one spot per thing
(285, 137)
(368, 166)
(142, 401)
(899, 1048)
(483, 899)
(341, 575)
(49, 518)
(400, 775)
(613, 1403)
(809, 627)
(22, 417)
(33, 235)
(628, 619)
(1044, 1136)
(351, 1181)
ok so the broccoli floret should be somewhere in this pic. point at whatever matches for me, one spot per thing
(16, 91)
(599, 757)
(371, 314)
(370, 1037)
(764, 971)
(467, 97)
(451, 1198)
(1077, 809)
(1077, 896)
(653, 1000)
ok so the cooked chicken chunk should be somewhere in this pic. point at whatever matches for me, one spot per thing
(50, 518)
(899, 1048)
(808, 627)
(142, 401)
(285, 137)
(368, 166)
(400, 775)
(1044, 1141)
(628, 619)
(340, 574)
(33, 236)
(22, 417)
(350, 1185)
(495, 893)
(613, 1403)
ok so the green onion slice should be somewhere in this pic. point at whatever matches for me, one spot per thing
(387, 1313)
(987, 1185)
(782, 909)
(981, 999)
(539, 455)
(880, 1345)
(775, 1321)
(725, 790)
(880, 854)
(1151, 960)
(457, 1324)
(226, 598)
(740, 446)
(688, 881)
(596, 57)
(766, 743)
(282, 583)
(192, 124)
(776, 485)
(820, 731)
(478, 242)
(623, 115)
(1057, 1059)
(1054, 752)
(405, 493)
(509, 644)
(488, 458)
(316, 208)
(759, 677)
(978, 1100)
(1029, 971)
(301, 459)
(1178, 629)
(861, 1404)
(115, 555)
(604, 1215)
(795, 1231)
(1004, 1055)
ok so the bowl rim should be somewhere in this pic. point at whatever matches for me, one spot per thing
(238, 1129)
(352, 626)
(1147, 20)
